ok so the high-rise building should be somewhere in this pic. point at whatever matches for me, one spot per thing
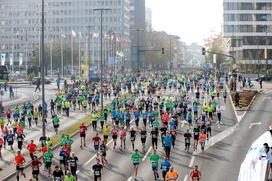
(137, 32)
(148, 19)
(21, 23)
(248, 24)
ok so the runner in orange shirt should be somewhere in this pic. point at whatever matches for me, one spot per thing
(202, 138)
(172, 175)
(19, 162)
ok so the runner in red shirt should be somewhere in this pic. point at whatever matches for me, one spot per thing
(32, 147)
(82, 132)
(114, 133)
(44, 149)
(96, 139)
(195, 174)
(165, 118)
(19, 162)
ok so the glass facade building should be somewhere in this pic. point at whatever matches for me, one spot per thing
(20, 23)
(248, 23)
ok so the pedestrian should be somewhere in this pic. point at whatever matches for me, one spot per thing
(36, 164)
(73, 164)
(32, 147)
(58, 174)
(136, 157)
(195, 174)
(38, 83)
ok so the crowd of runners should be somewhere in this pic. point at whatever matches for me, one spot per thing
(155, 106)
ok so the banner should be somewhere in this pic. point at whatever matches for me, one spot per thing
(20, 59)
(3, 58)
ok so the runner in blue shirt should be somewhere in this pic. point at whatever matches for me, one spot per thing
(167, 142)
(165, 166)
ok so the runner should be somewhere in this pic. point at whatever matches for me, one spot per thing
(19, 162)
(136, 161)
(132, 137)
(187, 137)
(114, 133)
(103, 152)
(73, 164)
(58, 174)
(97, 169)
(167, 142)
(172, 175)
(47, 160)
(106, 132)
(55, 122)
(32, 147)
(69, 176)
(143, 137)
(202, 138)
(123, 138)
(96, 139)
(154, 138)
(82, 132)
(165, 166)
(36, 164)
(195, 174)
(196, 136)
(154, 159)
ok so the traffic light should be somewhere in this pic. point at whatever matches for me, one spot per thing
(162, 50)
(265, 53)
(203, 51)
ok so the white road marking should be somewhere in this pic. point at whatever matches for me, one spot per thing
(254, 124)
(130, 178)
(266, 98)
(186, 177)
(192, 161)
(149, 150)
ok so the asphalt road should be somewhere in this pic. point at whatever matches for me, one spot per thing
(222, 161)
(120, 165)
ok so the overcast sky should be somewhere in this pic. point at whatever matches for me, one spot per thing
(192, 20)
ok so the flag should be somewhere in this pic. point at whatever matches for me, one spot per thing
(20, 59)
(11, 59)
(73, 33)
(3, 58)
(95, 34)
(214, 58)
(79, 35)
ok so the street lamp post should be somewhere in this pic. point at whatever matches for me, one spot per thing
(42, 72)
(101, 10)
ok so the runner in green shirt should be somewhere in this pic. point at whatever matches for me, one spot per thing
(56, 123)
(47, 159)
(135, 157)
(154, 159)
(69, 176)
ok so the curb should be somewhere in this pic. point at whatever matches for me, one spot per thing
(246, 109)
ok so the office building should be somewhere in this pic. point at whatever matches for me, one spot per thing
(248, 24)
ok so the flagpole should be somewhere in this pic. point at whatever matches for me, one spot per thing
(93, 44)
(26, 55)
(12, 68)
(51, 58)
(61, 52)
(39, 53)
(72, 55)
(79, 63)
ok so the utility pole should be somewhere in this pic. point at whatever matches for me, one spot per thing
(101, 10)
(88, 50)
(42, 72)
